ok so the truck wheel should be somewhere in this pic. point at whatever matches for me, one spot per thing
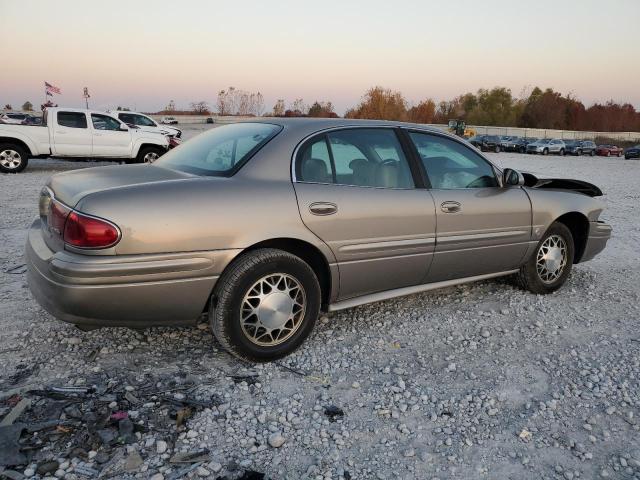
(149, 154)
(550, 265)
(265, 305)
(13, 158)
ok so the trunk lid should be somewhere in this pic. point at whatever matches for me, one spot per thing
(70, 187)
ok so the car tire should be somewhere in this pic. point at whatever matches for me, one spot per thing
(256, 271)
(13, 158)
(545, 151)
(522, 150)
(579, 153)
(149, 154)
(542, 276)
(562, 152)
(593, 153)
(618, 154)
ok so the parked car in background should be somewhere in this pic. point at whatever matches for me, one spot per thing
(77, 133)
(169, 120)
(546, 146)
(490, 143)
(632, 152)
(580, 147)
(476, 140)
(12, 118)
(162, 244)
(209, 120)
(145, 123)
(504, 140)
(609, 150)
(516, 144)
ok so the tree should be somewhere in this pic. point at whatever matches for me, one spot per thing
(278, 108)
(27, 106)
(379, 103)
(171, 107)
(424, 112)
(298, 108)
(8, 107)
(123, 109)
(200, 108)
(321, 109)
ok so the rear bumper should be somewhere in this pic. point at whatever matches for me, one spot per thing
(599, 234)
(126, 290)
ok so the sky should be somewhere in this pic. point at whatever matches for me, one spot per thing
(143, 53)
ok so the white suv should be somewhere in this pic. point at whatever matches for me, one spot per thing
(145, 123)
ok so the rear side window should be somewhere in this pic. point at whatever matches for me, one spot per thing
(451, 165)
(364, 157)
(220, 151)
(72, 119)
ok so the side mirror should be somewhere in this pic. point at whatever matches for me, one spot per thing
(512, 178)
(124, 128)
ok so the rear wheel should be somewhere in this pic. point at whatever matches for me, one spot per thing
(562, 152)
(592, 153)
(522, 150)
(550, 265)
(13, 158)
(265, 305)
(579, 153)
(545, 151)
(496, 149)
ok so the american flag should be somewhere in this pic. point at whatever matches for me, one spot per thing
(51, 89)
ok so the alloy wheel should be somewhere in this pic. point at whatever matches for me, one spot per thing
(273, 309)
(551, 259)
(10, 159)
(150, 157)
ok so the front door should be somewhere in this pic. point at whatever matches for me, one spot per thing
(356, 191)
(71, 135)
(109, 140)
(482, 227)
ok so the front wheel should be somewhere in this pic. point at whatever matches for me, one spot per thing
(550, 265)
(579, 153)
(13, 158)
(496, 149)
(562, 152)
(265, 305)
(149, 154)
(545, 151)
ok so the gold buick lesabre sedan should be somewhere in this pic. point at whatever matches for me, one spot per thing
(264, 224)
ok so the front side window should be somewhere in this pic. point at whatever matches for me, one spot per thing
(104, 122)
(366, 157)
(450, 164)
(220, 151)
(72, 119)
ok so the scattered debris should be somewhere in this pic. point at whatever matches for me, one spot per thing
(525, 435)
(17, 270)
(10, 454)
(333, 412)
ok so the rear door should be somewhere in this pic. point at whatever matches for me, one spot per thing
(359, 193)
(482, 227)
(109, 140)
(71, 134)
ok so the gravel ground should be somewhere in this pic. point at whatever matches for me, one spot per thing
(476, 381)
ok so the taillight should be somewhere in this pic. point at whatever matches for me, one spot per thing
(83, 231)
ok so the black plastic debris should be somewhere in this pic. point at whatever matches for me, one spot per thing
(10, 454)
(333, 413)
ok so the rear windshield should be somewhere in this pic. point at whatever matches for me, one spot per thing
(220, 151)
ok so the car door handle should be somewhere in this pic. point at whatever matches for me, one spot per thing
(323, 208)
(60, 132)
(450, 207)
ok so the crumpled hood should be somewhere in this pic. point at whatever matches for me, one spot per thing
(70, 187)
(580, 186)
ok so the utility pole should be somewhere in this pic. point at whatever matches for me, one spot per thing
(86, 97)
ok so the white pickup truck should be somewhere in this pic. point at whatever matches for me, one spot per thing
(75, 133)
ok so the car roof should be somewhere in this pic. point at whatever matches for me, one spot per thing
(306, 126)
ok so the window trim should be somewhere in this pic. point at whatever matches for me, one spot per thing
(418, 181)
(497, 172)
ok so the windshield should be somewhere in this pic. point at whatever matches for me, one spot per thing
(220, 151)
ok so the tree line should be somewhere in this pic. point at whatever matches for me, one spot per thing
(498, 107)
